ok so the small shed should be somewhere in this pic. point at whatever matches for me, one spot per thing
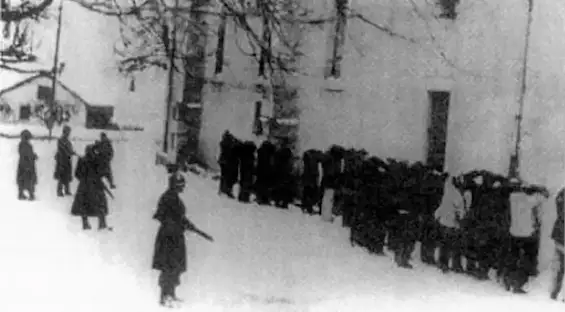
(99, 117)
(30, 96)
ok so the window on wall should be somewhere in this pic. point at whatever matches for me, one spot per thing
(448, 8)
(43, 93)
(334, 68)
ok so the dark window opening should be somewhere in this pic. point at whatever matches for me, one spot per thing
(437, 127)
(43, 93)
(448, 9)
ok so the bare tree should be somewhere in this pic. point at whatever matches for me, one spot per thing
(144, 23)
(23, 10)
(19, 45)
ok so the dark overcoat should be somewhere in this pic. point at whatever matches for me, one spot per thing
(557, 233)
(170, 246)
(90, 199)
(63, 161)
(26, 173)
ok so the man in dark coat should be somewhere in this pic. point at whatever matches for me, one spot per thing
(557, 236)
(264, 181)
(332, 169)
(283, 191)
(228, 161)
(403, 226)
(246, 170)
(368, 222)
(26, 174)
(310, 180)
(351, 185)
(106, 151)
(64, 163)
(429, 232)
(90, 198)
(169, 255)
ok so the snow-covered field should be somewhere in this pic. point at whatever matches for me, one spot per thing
(263, 259)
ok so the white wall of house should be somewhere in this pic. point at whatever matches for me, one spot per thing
(230, 106)
(383, 104)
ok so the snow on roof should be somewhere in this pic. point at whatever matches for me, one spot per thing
(42, 75)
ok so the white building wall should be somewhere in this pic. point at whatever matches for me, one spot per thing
(384, 106)
(230, 106)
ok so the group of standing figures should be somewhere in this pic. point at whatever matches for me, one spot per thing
(266, 171)
(92, 168)
(471, 223)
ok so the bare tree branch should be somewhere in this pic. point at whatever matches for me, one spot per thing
(22, 71)
(25, 10)
(438, 49)
(380, 27)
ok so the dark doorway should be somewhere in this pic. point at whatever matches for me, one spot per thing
(437, 128)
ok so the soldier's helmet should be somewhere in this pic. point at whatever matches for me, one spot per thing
(26, 135)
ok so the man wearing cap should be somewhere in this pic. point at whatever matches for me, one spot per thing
(170, 248)
(63, 163)
(26, 173)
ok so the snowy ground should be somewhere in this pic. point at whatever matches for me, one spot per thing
(263, 259)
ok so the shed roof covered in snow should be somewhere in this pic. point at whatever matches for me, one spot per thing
(35, 78)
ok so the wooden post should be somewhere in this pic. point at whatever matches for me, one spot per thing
(170, 87)
(54, 71)
(514, 168)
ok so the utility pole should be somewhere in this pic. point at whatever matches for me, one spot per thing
(54, 71)
(170, 88)
(514, 168)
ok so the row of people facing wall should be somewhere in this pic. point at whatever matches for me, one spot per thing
(477, 216)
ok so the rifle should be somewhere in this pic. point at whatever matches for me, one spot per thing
(203, 235)
(191, 227)
(107, 190)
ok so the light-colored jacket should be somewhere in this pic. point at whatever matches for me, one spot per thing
(523, 209)
(453, 205)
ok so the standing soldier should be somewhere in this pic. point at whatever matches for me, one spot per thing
(90, 198)
(170, 247)
(63, 163)
(26, 174)
(557, 236)
(106, 156)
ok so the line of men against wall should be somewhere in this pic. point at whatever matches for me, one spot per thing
(472, 223)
